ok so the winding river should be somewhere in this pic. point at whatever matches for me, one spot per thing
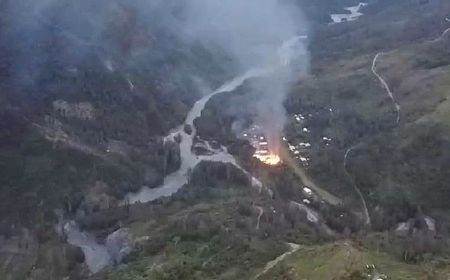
(189, 159)
(97, 256)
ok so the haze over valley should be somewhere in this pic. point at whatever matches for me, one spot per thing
(224, 139)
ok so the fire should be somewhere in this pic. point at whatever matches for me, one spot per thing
(265, 146)
(269, 159)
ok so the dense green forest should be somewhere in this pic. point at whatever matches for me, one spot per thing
(90, 90)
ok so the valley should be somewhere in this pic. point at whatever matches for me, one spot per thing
(143, 144)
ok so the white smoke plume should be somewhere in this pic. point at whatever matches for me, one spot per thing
(255, 33)
(250, 33)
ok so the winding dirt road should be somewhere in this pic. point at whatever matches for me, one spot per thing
(385, 85)
(358, 191)
(293, 248)
(349, 150)
(441, 36)
(261, 212)
(300, 172)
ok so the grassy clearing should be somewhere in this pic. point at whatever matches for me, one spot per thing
(346, 261)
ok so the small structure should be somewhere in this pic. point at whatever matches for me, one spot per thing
(352, 16)
(307, 191)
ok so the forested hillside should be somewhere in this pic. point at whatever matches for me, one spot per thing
(129, 135)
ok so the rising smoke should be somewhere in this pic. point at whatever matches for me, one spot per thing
(256, 34)
(250, 33)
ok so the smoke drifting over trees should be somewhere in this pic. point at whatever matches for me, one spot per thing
(48, 37)
(255, 33)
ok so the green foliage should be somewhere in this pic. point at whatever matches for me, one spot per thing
(185, 270)
(433, 56)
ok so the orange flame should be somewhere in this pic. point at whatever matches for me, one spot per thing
(269, 159)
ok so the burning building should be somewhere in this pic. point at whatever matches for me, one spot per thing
(263, 150)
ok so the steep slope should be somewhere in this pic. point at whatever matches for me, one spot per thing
(386, 160)
(85, 106)
(417, 74)
(395, 167)
(86, 100)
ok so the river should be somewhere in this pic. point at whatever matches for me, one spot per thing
(97, 256)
